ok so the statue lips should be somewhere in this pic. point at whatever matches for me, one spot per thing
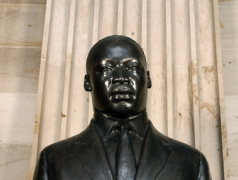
(121, 92)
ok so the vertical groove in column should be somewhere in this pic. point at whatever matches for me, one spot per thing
(221, 93)
(169, 79)
(34, 150)
(144, 26)
(181, 55)
(78, 98)
(107, 18)
(194, 77)
(210, 131)
(132, 19)
(50, 125)
(94, 40)
(156, 61)
(46, 29)
(119, 17)
(96, 8)
(64, 113)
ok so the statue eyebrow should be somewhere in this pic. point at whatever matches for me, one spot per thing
(132, 59)
(125, 60)
(106, 60)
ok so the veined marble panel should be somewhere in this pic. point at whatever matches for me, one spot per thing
(230, 71)
(232, 119)
(21, 25)
(227, 2)
(233, 153)
(229, 41)
(43, 2)
(17, 114)
(229, 18)
(20, 51)
(19, 70)
(14, 161)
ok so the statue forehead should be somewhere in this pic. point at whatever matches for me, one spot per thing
(111, 46)
(117, 49)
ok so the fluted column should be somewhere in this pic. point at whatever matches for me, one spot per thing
(108, 27)
(209, 113)
(182, 82)
(51, 81)
(50, 124)
(156, 62)
(132, 19)
(78, 98)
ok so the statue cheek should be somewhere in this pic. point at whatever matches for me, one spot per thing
(139, 83)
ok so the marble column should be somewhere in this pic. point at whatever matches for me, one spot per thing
(52, 77)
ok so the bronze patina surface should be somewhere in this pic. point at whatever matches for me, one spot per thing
(120, 142)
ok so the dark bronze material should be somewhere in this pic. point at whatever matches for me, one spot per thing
(120, 143)
(126, 161)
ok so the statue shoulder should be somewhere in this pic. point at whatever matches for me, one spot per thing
(70, 144)
(178, 148)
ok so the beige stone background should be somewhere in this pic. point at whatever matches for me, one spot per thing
(21, 35)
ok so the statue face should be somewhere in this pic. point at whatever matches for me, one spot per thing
(118, 79)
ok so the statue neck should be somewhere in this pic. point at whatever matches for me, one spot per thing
(114, 118)
(104, 124)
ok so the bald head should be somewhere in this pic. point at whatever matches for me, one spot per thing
(117, 77)
(112, 41)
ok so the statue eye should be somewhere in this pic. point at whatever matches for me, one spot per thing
(134, 68)
(106, 69)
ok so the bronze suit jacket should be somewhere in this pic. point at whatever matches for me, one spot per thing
(82, 157)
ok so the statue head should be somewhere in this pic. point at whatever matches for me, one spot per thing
(117, 77)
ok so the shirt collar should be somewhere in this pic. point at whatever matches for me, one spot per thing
(105, 125)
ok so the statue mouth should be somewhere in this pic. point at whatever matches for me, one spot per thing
(122, 96)
(121, 92)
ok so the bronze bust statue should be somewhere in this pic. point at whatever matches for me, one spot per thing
(120, 143)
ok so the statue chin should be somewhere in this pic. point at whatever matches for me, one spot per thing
(125, 110)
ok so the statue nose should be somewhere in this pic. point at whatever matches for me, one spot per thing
(120, 77)
(121, 80)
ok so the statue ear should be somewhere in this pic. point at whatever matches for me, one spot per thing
(87, 84)
(149, 83)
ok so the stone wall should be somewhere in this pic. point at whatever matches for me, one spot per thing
(21, 33)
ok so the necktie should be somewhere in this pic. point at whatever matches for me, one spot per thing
(126, 162)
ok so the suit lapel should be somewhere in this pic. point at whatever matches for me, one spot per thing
(154, 156)
(92, 156)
